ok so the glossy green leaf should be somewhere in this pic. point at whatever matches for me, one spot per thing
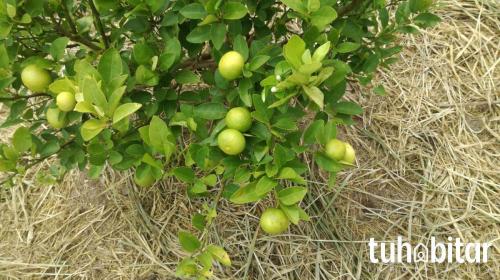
(189, 242)
(125, 110)
(293, 51)
(111, 65)
(57, 47)
(234, 10)
(92, 128)
(21, 140)
(193, 11)
(292, 195)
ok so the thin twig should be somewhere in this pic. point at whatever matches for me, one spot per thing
(71, 23)
(74, 37)
(97, 19)
(17, 97)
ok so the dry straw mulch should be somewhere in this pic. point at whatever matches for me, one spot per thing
(428, 166)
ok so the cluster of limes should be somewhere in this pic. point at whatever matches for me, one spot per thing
(37, 80)
(232, 142)
(340, 151)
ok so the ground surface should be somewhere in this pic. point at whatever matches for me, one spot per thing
(428, 166)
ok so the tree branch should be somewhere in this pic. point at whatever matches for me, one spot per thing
(74, 37)
(71, 23)
(98, 22)
(17, 97)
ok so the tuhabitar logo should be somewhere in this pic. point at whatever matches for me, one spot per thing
(438, 252)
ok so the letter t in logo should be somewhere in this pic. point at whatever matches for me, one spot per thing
(372, 244)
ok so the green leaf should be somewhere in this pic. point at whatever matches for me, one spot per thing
(292, 212)
(4, 56)
(25, 19)
(348, 108)
(125, 110)
(21, 139)
(219, 254)
(265, 185)
(189, 242)
(58, 46)
(321, 52)
(161, 136)
(92, 93)
(327, 164)
(198, 187)
(95, 171)
(199, 34)
(110, 66)
(234, 10)
(92, 128)
(193, 11)
(115, 98)
(258, 61)
(347, 47)
(186, 77)
(210, 111)
(61, 85)
(328, 132)
(145, 76)
(49, 148)
(97, 154)
(11, 9)
(323, 17)
(309, 69)
(5, 27)
(315, 94)
(184, 174)
(293, 51)
(171, 53)
(143, 53)
(149, 160)
(186, 268)
(420, 5)
(198, 221)
(427, 20)
(292, 195)
(289, 173)
(380, 90)
(371, 63)
(314, 129)
(210, 180)
(240, 45)
(245, 194)
(218, 34)
(296, 5)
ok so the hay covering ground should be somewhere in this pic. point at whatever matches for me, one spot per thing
(428, 156)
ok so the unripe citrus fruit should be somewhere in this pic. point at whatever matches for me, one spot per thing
(274, 221)
(144, 177)
(231, 141)
(56, 118)
(66, 101)
(350, 154)
(335, 149)
(35, 78)
(239, 118)
(231, 65)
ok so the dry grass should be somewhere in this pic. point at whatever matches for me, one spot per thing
(429, 166)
